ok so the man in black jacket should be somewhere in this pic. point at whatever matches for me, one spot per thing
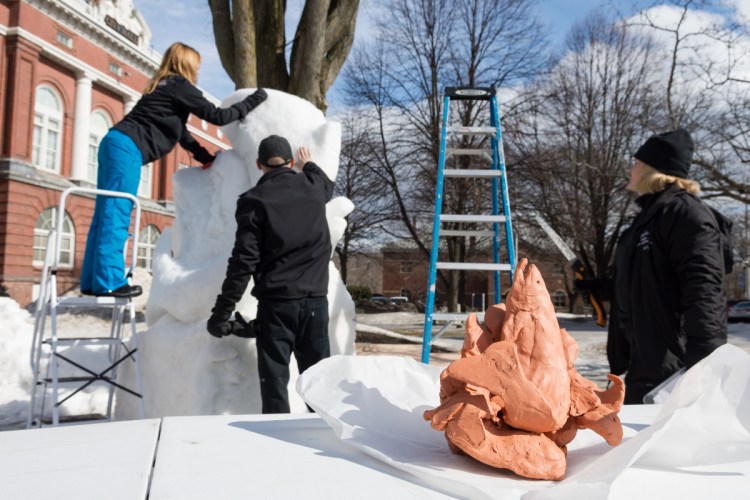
(283, 242)
(668, 308)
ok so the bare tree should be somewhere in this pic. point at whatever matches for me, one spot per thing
(252, 44)
(706, 90)
(573, 144)
(358, 181)
(425, 46)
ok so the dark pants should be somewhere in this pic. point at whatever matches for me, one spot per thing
(634, 393)
(290, 326)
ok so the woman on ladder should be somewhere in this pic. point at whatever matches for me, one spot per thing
(148, 132)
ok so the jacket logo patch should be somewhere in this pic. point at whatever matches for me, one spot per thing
(644, 241)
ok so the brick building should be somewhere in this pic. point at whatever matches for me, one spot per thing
(400, 270)
(70, 69)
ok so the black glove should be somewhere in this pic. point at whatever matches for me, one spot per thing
(599, 287)
(218, 326)
(242, 328)
(252, 101)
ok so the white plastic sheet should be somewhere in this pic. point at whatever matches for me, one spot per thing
(376, 404)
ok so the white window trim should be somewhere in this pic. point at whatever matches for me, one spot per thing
(66, 237)
(94, 142)
(146, 246)
(561, 294)
(47, 114)
(146, 185)
(64, 39)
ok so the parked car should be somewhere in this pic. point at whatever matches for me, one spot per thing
(739, 312)
(380, 298)
(399, 300)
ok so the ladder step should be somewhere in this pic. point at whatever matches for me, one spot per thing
(471, 218)
(470, 234)
(470, 93)
(484, 172)
(68, 380)
(472, 266)
(472, 131)
(92, 301)
(468, 152)
(455, 316)
(85, 340)
(77, 419)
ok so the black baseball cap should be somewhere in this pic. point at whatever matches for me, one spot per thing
(274, 146)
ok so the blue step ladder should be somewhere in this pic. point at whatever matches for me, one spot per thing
(493, 169)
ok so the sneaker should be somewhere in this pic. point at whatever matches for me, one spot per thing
(125, 292)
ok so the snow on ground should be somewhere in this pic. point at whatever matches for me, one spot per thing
(17, 330)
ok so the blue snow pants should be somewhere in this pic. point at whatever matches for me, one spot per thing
(120, 163)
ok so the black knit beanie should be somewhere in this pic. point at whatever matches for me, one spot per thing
(670, 153)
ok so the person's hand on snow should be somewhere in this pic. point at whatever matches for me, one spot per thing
(210, 162)
(304, 155)
(251, 102)
(218, 327)
(243, 328)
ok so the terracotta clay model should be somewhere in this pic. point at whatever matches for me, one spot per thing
(514, 399)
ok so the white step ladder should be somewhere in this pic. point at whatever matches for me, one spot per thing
(59, 372)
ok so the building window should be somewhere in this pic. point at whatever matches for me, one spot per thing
(146, 246)
(100, 124)
(144, 188)
(44, 224)
(115, 69)
(64, 39)
(48, 119)
(406, 267)
(559, 298)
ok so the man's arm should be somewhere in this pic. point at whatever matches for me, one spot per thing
(315, 173)
(188, 142)
(241, 265)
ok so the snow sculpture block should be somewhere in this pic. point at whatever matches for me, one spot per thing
(186, 371)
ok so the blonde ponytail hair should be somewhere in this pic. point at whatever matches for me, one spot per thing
(653, 181)
(179, 59)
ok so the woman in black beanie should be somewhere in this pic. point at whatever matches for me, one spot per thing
(668, 308)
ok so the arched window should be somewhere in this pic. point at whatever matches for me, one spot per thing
(98, 128)
(48, 123)
(559, 298)
(46, 222)
(146, 245)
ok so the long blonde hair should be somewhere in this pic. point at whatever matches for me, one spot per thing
(179, 59)
(653, 181)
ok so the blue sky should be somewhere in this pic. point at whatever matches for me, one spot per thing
(190, 23)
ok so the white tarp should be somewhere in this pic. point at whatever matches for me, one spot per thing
(376, 404)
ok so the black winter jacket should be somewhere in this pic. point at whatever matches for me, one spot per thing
(157, 122)
(282, 239)
(668, 308)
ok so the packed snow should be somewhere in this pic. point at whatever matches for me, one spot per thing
(186, 371)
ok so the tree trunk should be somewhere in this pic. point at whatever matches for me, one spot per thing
(250, 38)
(269, 36)
(323, 39)
(235, 40)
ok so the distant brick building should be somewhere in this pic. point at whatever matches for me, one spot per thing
(404, 272)
(69, 70)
